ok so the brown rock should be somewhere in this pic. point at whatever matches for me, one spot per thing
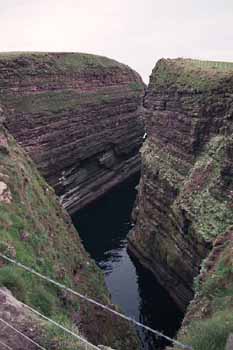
(78, 116)
(184, 199)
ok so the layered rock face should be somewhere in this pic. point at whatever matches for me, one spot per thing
(208, 323)
(36, 231)
(186, 188)
(78, 116)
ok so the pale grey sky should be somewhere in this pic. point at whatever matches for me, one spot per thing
(135, 32)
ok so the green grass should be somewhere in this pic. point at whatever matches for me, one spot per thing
(210, 334)
(192, 74)
(61, 60)
(47, 248)
(136, 86)
(53, 248)
(209, 65)
(209, 320)
(56, 102)
(56, 335)
(202, 196)
(219, 284)
(171, 169)
(12, 280)
(82, 60)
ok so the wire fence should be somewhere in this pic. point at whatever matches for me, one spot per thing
(21, 334)
(86, 342)
(5, 345)
(89, 300)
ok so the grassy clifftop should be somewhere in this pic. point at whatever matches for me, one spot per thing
(185, 196)
(61, 60)
(190, 74)
(36, 231)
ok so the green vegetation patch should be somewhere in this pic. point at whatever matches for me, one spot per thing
(36, 231)
(67, 99)
(210, 316)
(190, 74)
(219, 284)
(210, 334)
(135, 86)
(33, 231)
(162, 162)
(59, 61)
(202, 195)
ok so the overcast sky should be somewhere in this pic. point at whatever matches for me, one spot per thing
(135, 32)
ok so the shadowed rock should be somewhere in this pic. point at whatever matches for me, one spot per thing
(78, 117)
(185, 193)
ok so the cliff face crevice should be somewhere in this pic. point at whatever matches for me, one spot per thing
(185, 193)
(79, 118)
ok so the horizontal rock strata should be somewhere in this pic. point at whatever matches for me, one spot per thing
(36, 231)
(78, 116)
(185, 193)
(208, 322)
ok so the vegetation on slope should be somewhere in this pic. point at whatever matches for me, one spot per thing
(61, 60)
(184, 74)
(188, 156)
(36, 231)
(204, 196)
(209, 319)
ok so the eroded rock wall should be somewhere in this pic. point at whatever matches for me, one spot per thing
(185, 193)
(78, 116)
(36, 231)
(208, 322)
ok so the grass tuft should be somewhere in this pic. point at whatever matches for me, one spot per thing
(211, 334)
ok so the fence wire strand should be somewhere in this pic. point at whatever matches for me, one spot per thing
(22, 334)
(5, 345)
(107, 308)
(86, 342)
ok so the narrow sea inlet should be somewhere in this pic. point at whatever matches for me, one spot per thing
(103, 227)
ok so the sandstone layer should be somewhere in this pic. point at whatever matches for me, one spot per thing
(78, 116)
(186, 189)
(36, 231)
(208, 323)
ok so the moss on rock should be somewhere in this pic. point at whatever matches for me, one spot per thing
(36, 231)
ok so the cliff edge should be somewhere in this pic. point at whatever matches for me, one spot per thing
(79, 118)
(186, 189)
(36, 231)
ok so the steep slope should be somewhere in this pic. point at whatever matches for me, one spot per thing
(208, 324)
(36, 231)
(78, 116)
(185, 194)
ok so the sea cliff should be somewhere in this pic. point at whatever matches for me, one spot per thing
(79, 118)
(185, 194)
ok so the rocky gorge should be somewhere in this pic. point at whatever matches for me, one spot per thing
(36, 231)
(184, 207)
(76, 118)
(79, 118)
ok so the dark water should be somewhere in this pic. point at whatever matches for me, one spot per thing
(103, 227)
